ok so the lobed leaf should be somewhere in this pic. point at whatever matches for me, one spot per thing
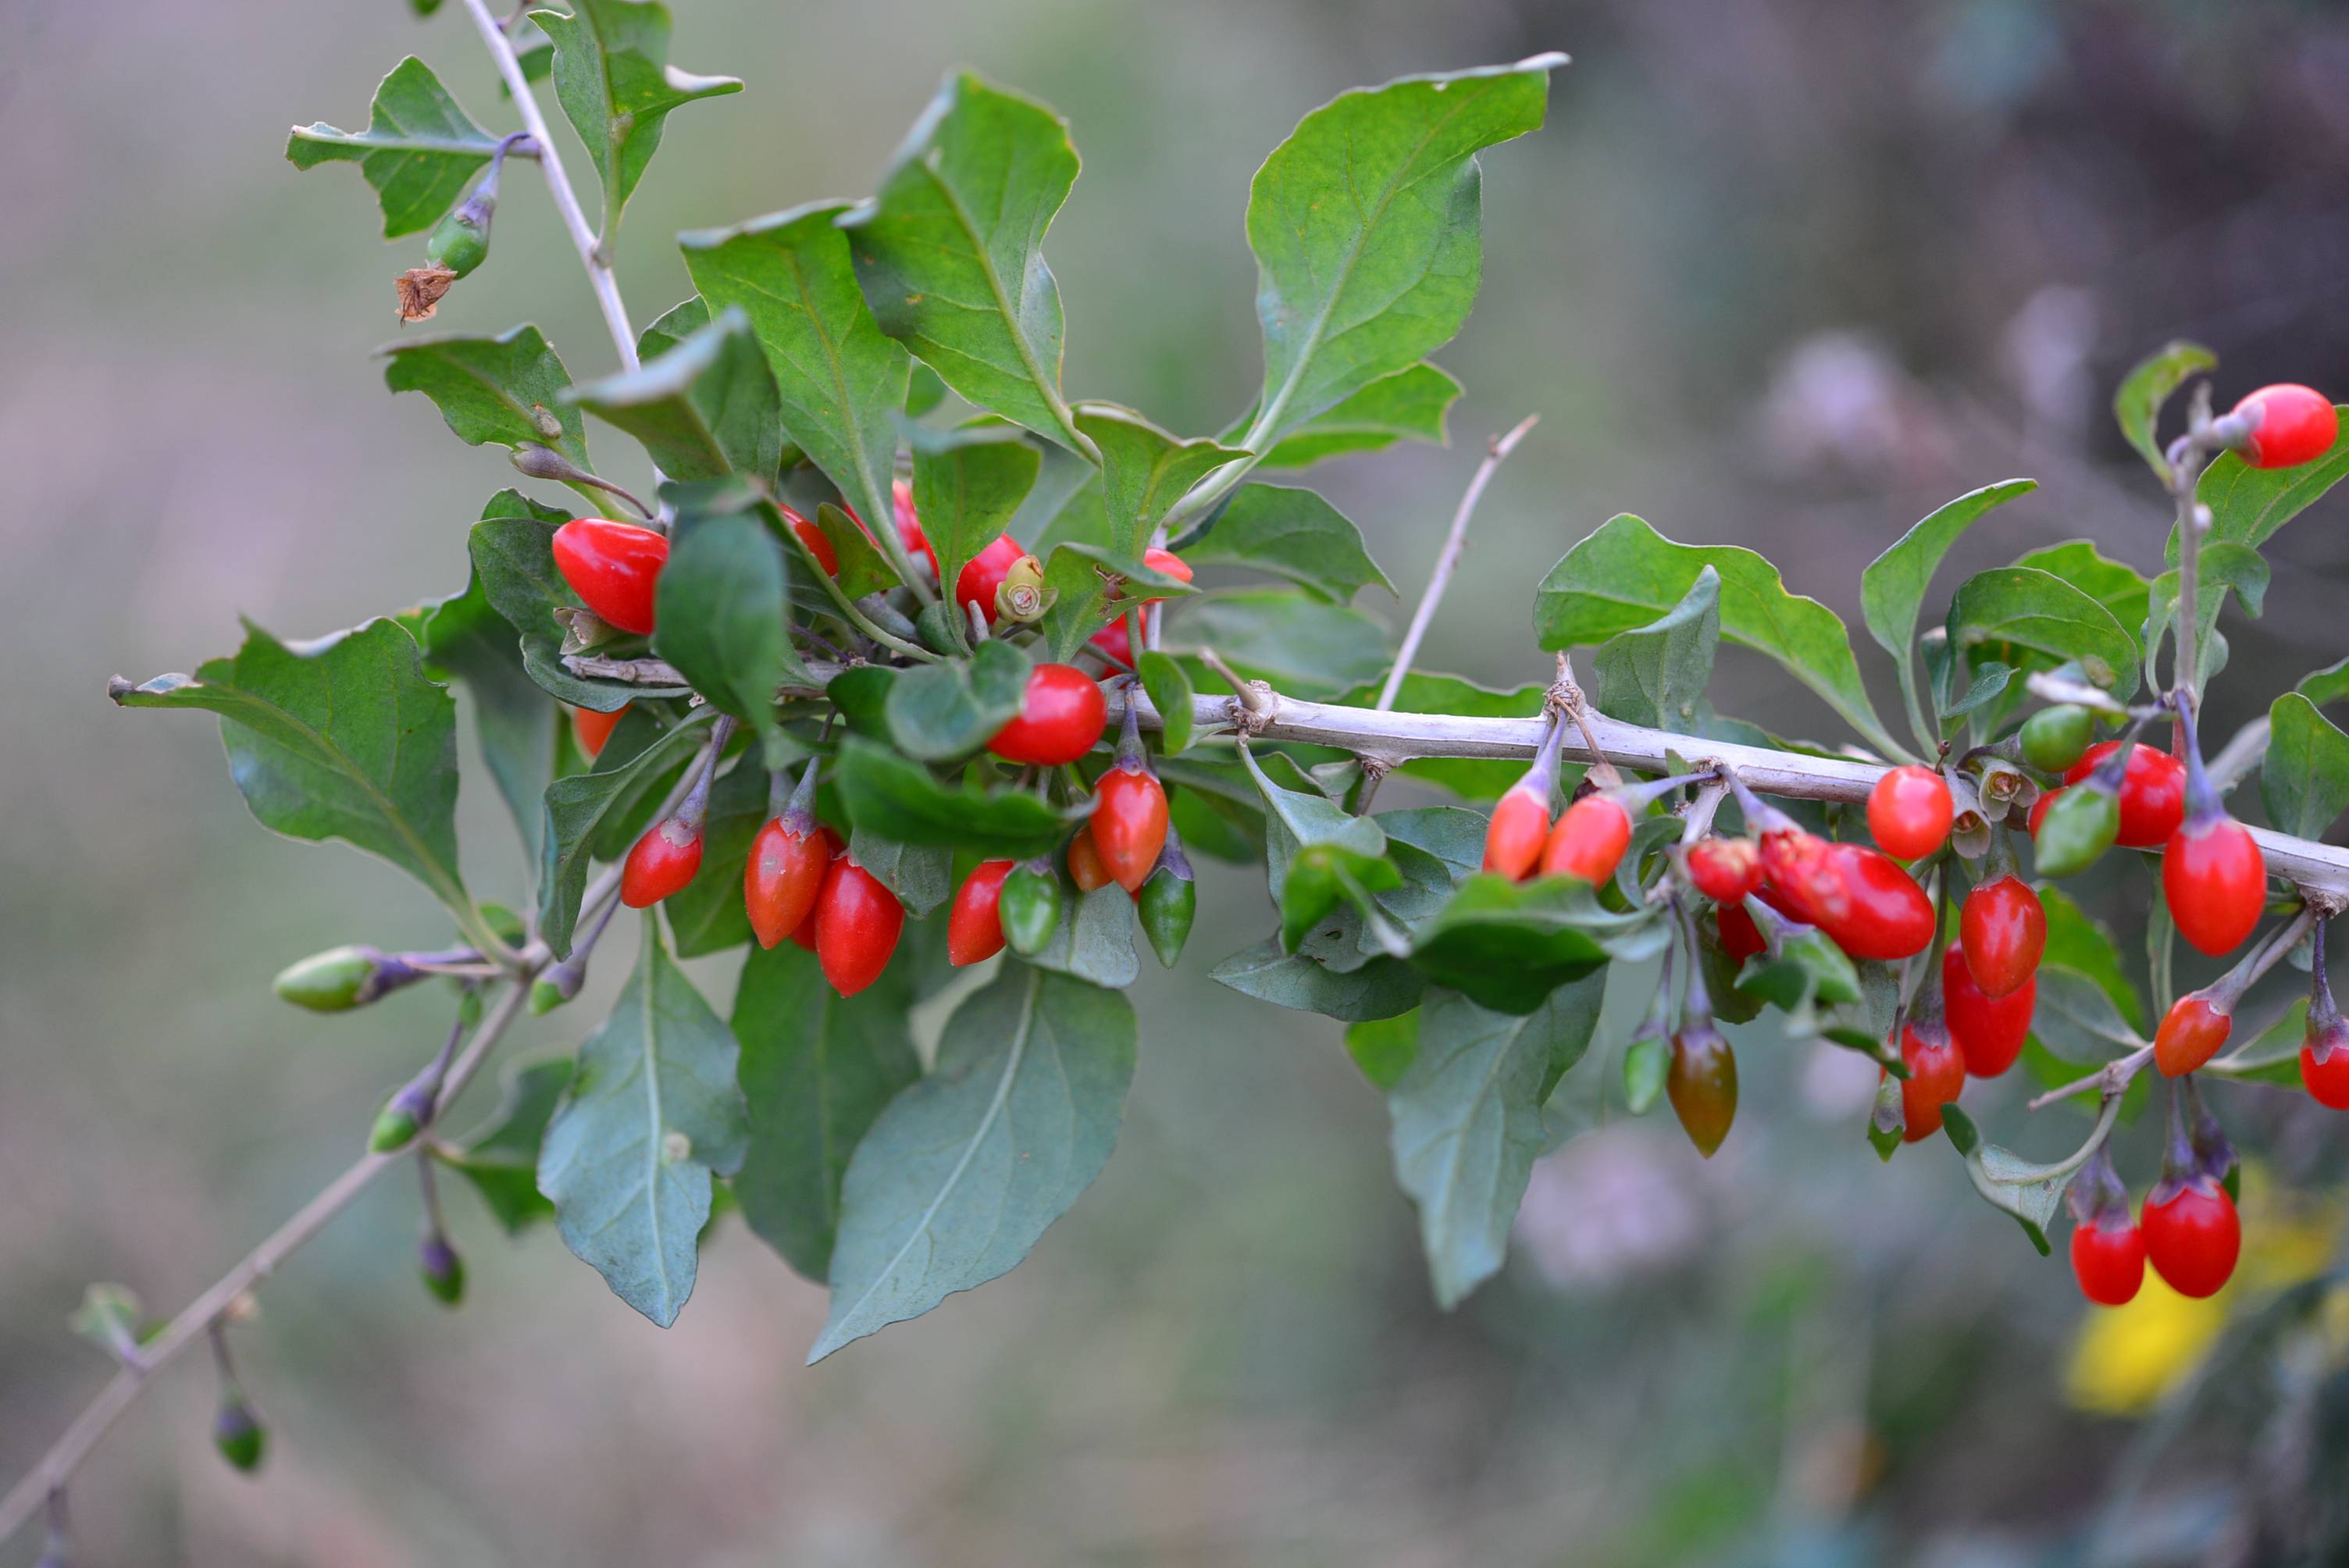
(417, 153)
(612, 76)
(509, 390)
(705, 406)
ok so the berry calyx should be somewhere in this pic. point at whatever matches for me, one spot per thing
(2215, 881)
(2109, 1259)
(857, 923)
(661, 862)
(1725, 870)
(1885, 913)
(613, 567)
(592, 730)
(2055, 738)
(2152, 792)
(2285, 425)
(1937, 1076)
(983, 574)
(2192, 1236)
(2192, 1033)
(1701, 1084)
(1910, 812)
(975, 924)
(1990, 1030)
(2003, 931)
(1062, 714)
(1589, 843)
(1085, 866)
(1520, 824)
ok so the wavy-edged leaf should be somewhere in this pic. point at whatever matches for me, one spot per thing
(1893, 584)
(1413, 404)
(2030, 619)
(1292, 533)
(965, 1170)
(1657, 674)
(612, 79)
(652, 1113)
(506, 390)
(1304, 646)
(703, 409)
(417, 153)
(951, 252)
(2147, 385)
(466, 640)
(1144, 470)
(2304, 777)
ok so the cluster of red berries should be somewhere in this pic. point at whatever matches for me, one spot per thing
(2189, 1231)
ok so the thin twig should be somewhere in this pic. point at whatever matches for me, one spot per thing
(1448, 559)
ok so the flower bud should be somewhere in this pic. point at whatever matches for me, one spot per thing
(1167, 901)
(238, 1433)
(443, 1269)
(342, 978)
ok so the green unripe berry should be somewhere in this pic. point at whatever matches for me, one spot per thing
(1029, 908)
(462, 241)
(546, 996)
(395, 1128)
(443, 1269)
(1167, 904)
(239, 1435)
(2080, 826)
(2055, 737)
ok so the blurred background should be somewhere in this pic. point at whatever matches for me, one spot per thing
(1780, 273)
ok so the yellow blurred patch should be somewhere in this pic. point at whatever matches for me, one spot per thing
(2125, 1358)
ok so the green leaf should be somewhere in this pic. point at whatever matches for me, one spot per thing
(951, 255)
(815, 1070)
(1508, 946)
(1304, 647)
(2304, 779)
(1089, 584)
(1291, 533)
(1365, 224)
(1316, 843)
(1658, 674)
(899, 799)
(1469, 1122)
(1385, 1048)
(581, 805)
(2030, 619)
(967, 487)
(2118, 588)
(721, 608)
(612, 79)
(343, 738)
(514, 556)
(500, 1158)
(965, 1169)
(921, 875)
(2079, 943)
(2272, 1056)
(1411, 404)
(2329, 684)
(703, 409)
(841, 380)
(504, 390)
(1095, 941)
(1626, 574)
(2248, 504)
(1894, 585)
(1144, 470)
(2076, 1019)
(864, 569)
(465, 639)
(652, 1113)
(939, 712)
(1380, 989)
(419, 151)
(2032, 1193)
(2223, 568)
(1169, 688)
(2138, 403)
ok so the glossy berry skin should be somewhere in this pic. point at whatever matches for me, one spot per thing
(2055, 737)
(1888, 915)
(1990, 1030)
(1060, 716)
(909, 527)
(1910, 812)
(1801, 879)
(1115, 645)
(2193, 1238)
(2153, 793)
(592, 730)
(975, 924)
(614, 568)
(2290, 425)
(1515, 836)
(2325, 1065)
(2108, 1260)
(1589, 841)
(814, 537)
(1725, 870)
(1740, 937)
(2002, 931)
(1085, 866)
(1702, 1083)
(660, 863)
(1129, 825)
(2192, 1033)
(857, 923)
(1937, 1076)
(2039, 808)
(2215, 881)
(781, 878)
(983, 574)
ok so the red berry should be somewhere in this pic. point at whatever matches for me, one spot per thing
(2153, 793)
(1725, 870)
(612, 567)
(1886, 915)
(1740, 937)
(2039, 808)
(857, 922)
(803, 933)
(592, 730)
(1514, 837)
(2325, 1065)
(1166, 563)
(1085, 866)
(2108, 1260)
(1589, 841)
(983, 574)
(2004, 931)
(909, 527)
(1937, 1076)
(781, 878)
(975, 924)
(814, 537)
(2192, 1033)
(2192, 1238)
(1909, 812)
(1060, 716)
(1990, 1030)
(1115, 645)
(661, 862)
(2290, 425)
(2215, 882)
(1129, 825)
(1801, 879)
